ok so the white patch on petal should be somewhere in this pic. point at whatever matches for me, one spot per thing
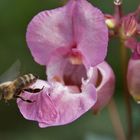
(91, 76)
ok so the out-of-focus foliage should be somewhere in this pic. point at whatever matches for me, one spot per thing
(14, 18)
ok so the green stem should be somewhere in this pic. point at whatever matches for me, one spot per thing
(116, 122)
(124, 61)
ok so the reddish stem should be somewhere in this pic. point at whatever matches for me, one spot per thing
(116, 122)
(118, 11)
(124, 61)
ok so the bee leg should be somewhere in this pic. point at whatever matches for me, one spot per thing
(26, 100)
(35, 90)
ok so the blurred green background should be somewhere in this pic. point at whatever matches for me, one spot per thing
(14, 18)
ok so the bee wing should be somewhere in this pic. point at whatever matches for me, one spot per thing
(11, 73)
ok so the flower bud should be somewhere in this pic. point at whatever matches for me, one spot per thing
(128, 27)
(133, 79)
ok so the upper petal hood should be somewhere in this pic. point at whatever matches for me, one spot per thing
(90, 32)
(77, 25)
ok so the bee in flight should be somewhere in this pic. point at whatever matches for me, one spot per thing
(13, 89)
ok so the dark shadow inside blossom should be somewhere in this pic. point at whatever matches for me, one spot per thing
(73, 74)
(99, 79)
(74, 46)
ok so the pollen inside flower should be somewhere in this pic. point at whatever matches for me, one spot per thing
(110, 21)
(75, 58)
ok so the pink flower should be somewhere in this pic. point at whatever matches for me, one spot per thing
(133, 75)
(133, 78)
(69, 41)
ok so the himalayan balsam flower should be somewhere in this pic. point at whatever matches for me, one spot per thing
(133, 77)
(70, 41)
(133, 74)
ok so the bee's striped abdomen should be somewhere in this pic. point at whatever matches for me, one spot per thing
(13, 89)
(25, 81)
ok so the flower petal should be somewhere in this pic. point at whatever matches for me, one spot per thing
(133, 78)
(57, 64)
(42, 109)
(106, 86)
(48, 30)
(78, 26)
(131, 43)
(90, 32)
(57, 104)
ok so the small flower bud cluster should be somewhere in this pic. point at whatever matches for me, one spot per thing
(127, 27)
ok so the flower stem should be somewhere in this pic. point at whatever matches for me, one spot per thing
(124, 61)
(118, 11)
(117, 125)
